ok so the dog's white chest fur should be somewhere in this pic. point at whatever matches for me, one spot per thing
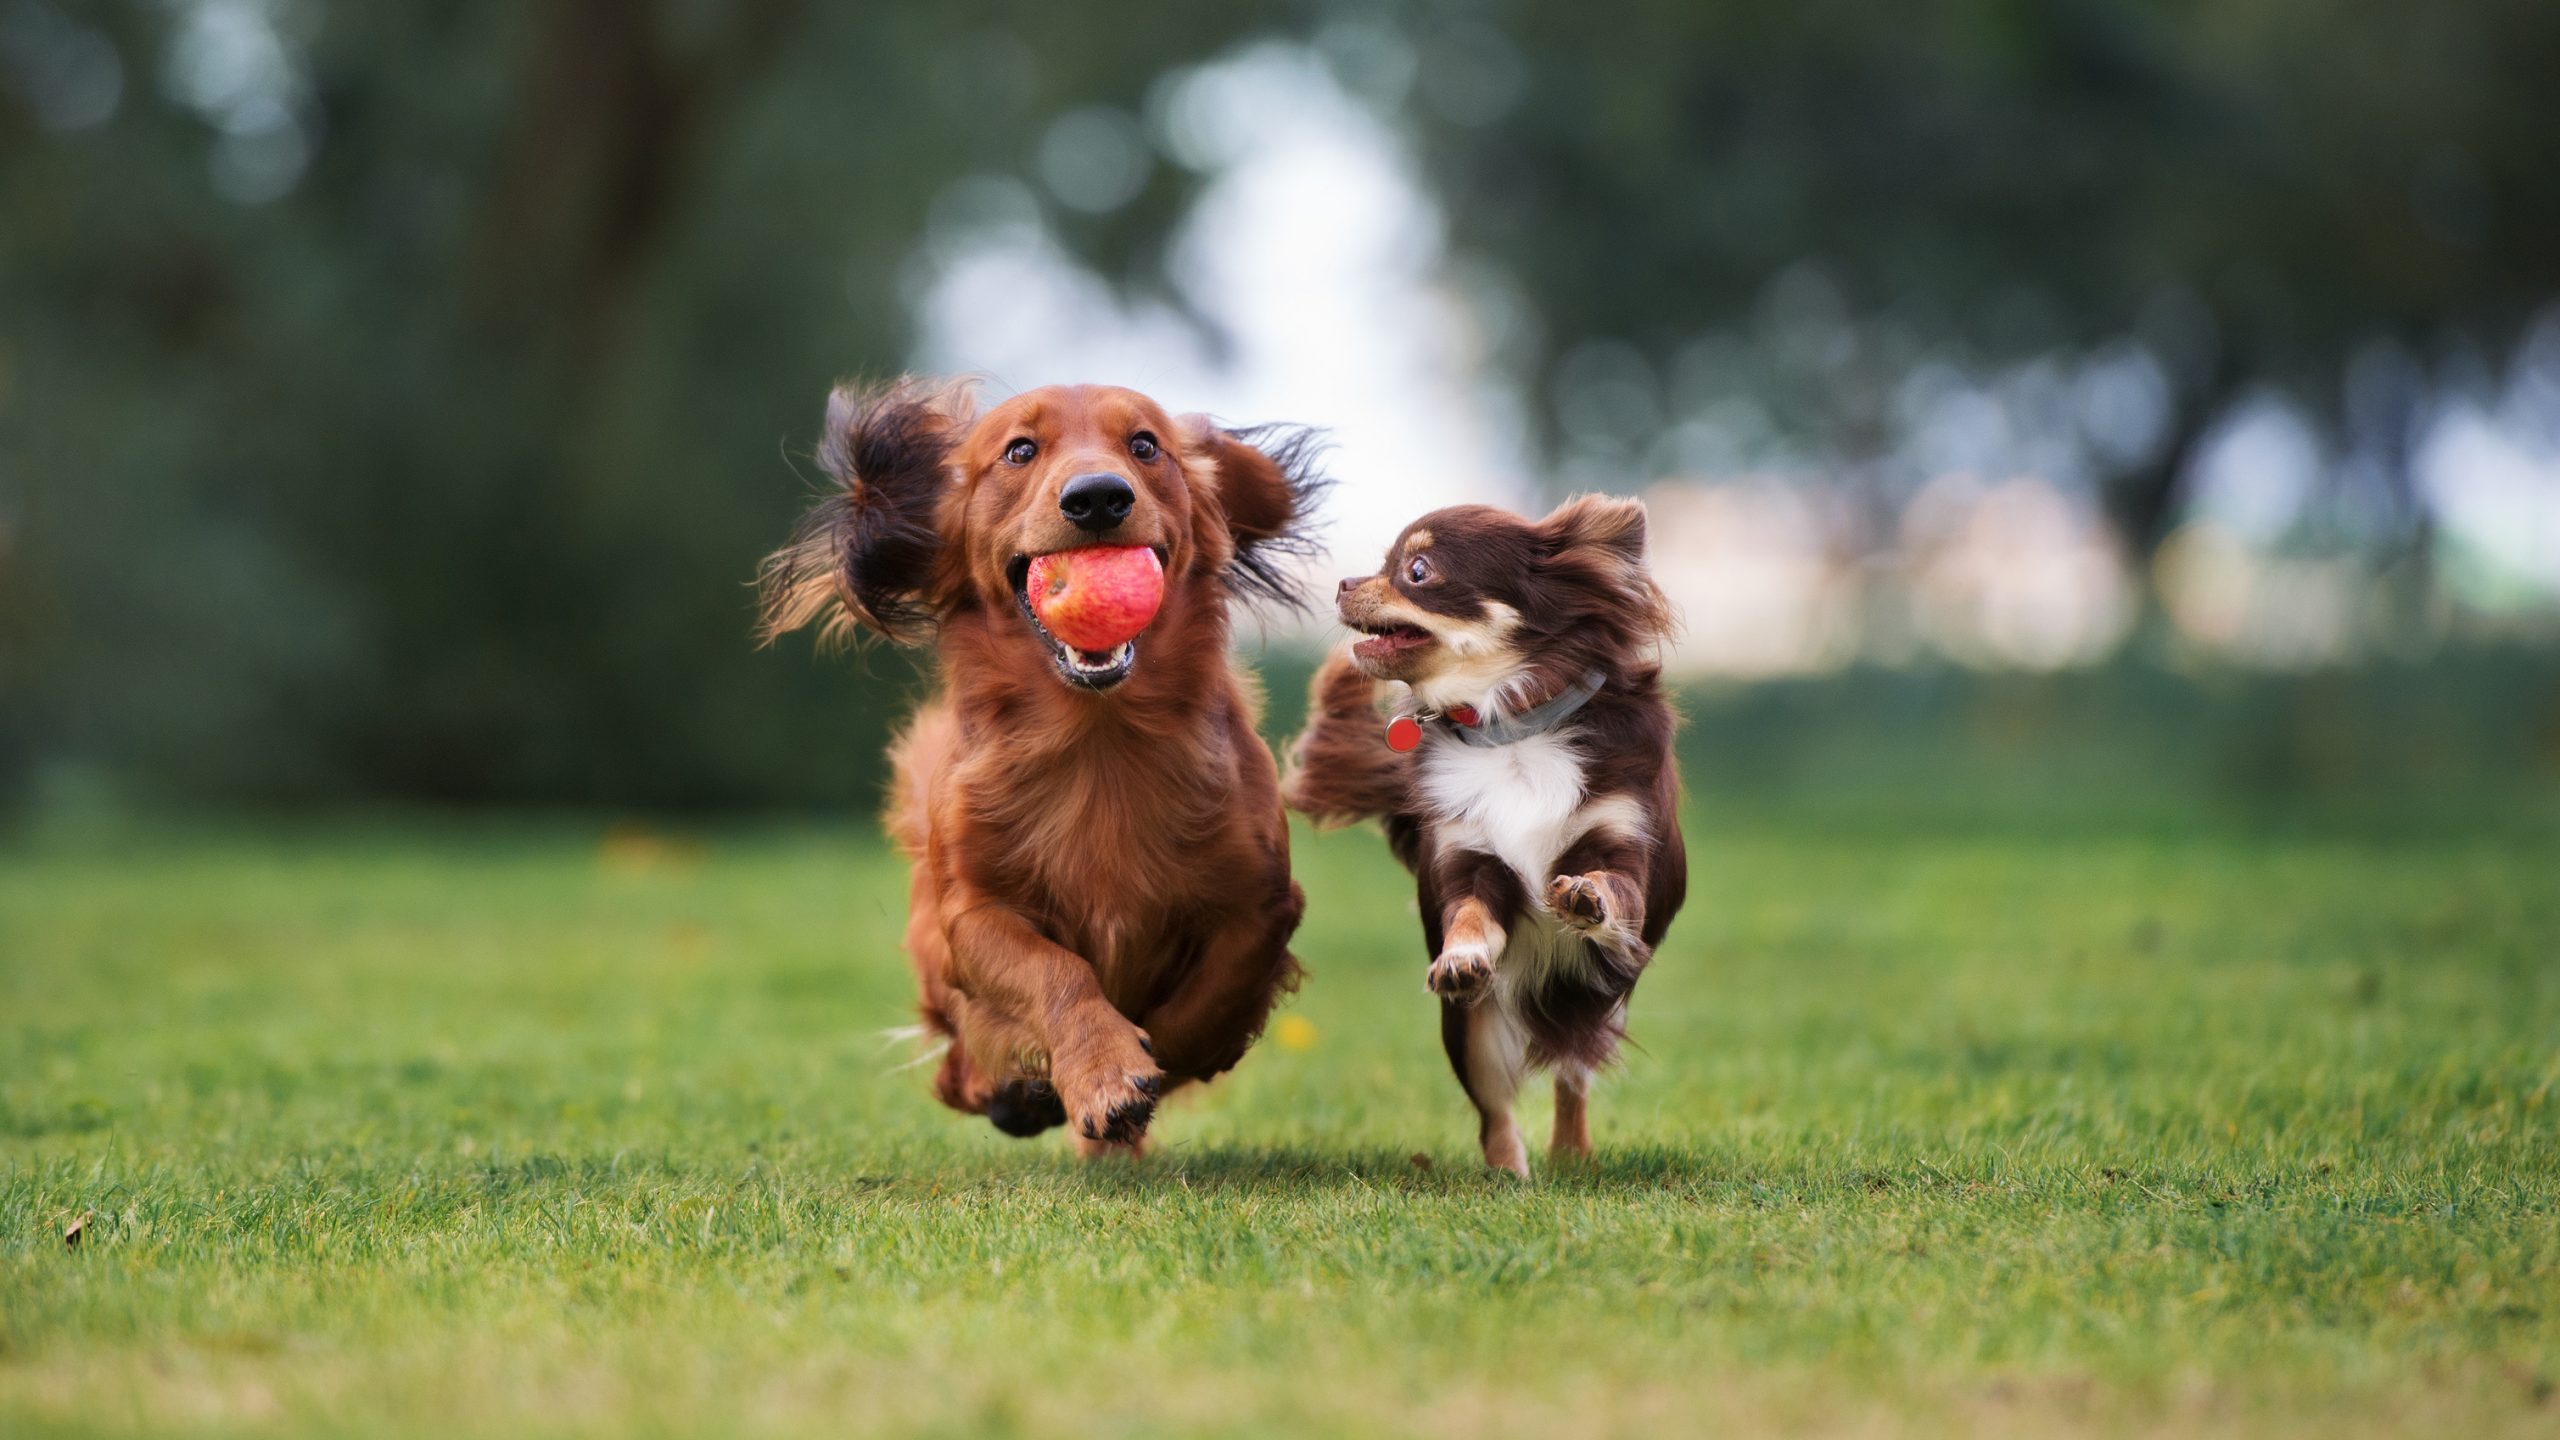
(1519, 803)
(1524, 804)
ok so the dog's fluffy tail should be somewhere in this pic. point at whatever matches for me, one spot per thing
(1340, 769)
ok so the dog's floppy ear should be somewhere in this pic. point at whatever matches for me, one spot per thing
(1267, 479)
(865, 553)
(1597, 542)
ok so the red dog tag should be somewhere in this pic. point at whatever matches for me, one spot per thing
(1404, 733)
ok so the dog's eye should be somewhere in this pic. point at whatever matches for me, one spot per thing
(1020, 452)
(1143, 445)
(1419, 569)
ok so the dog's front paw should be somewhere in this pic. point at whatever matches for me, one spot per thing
(1116, 1111)
(1578, 901)
(1461, 975)
(1113, 1094)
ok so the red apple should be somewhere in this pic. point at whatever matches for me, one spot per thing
(1096, 599)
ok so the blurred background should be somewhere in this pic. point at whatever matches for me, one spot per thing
(2036, 401)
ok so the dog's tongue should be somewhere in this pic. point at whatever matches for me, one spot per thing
(1096, 599)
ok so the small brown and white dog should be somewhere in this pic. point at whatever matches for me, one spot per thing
(1100, 906)
(1522, 766)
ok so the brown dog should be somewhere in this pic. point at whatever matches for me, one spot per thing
(1101, 904)
(1527, 781)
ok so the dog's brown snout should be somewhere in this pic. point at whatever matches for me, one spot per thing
(1353, 599)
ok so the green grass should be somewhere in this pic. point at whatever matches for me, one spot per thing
(1933, 1130)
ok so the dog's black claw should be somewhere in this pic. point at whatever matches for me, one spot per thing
(1128, 1121)
(1146, 1044)
(1152, 1087)
(1023, 1108)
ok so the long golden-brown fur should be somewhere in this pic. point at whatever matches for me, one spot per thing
(1100, 904)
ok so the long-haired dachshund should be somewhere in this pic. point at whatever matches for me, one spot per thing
(1101, 904)
(1526, 778)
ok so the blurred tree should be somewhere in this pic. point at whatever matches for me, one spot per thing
(2274, 192)
(395, 400)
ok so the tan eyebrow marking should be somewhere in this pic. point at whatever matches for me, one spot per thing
(1417, 542)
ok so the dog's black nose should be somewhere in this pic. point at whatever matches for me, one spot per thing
(1096, 502)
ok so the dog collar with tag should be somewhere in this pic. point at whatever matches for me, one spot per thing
(1405, 732)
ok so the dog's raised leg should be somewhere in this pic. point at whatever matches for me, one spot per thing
(1469, 944)
(1478, 898)
(1097, 1061)
(1207, 1024)
(1597, 897)
(1605, 906)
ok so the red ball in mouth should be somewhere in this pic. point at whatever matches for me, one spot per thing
(1097, 598)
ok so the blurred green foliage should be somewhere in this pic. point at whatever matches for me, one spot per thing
(2259, 192)
(442, 475)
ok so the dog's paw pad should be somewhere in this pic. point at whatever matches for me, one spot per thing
(1022, 1108)
(1578, 901)
(1461, 976)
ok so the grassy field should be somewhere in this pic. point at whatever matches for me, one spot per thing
(1935, 1129)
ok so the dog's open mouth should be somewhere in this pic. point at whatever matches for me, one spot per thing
(1091, 669)
(1386, 642)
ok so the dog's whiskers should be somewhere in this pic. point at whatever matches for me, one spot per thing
(900, 1034)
